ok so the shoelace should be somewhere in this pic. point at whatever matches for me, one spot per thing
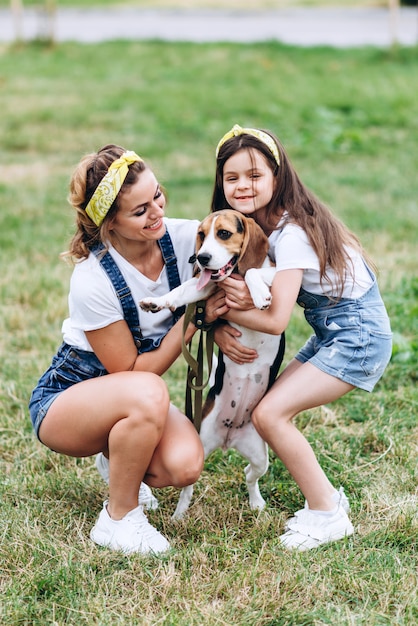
(141, 525)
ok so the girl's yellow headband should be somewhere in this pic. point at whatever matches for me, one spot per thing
(109, 187)
(261, 135)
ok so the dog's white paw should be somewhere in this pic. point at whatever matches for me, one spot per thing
(262, 298)
(257, 503)
(154, 305)
(178, 515)
(259, 290)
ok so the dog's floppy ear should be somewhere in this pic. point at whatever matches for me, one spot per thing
(255, 245)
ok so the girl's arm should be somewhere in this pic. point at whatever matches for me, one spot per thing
(274, 320)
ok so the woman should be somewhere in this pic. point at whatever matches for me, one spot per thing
(103, 393)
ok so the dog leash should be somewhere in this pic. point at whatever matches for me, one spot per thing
(195, 313)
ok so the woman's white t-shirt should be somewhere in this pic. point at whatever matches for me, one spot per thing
(290, 249)
(93, 302)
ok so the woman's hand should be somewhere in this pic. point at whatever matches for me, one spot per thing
(226, 337)
(237, 295)
(215, 306)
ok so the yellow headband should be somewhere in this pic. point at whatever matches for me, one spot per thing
(109, 187)
(261, 135)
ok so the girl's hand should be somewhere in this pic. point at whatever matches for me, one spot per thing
(226, 337)
(237, 295)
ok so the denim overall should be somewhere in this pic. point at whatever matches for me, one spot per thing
(130, 311)
(71, 365)
(352, 340)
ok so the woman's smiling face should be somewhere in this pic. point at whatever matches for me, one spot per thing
(141, 210)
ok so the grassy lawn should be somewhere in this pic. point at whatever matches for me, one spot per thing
(349, 121)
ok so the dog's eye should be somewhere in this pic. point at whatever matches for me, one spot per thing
(201, 235)
(224, 234)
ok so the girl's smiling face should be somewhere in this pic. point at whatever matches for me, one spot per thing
(247, 181)
(141, 210)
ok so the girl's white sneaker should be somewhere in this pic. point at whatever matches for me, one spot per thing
(310, 529)
(339, 498)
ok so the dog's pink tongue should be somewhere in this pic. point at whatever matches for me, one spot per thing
(204, 278)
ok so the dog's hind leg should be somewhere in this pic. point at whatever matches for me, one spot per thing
(256, 451)
(211, 441)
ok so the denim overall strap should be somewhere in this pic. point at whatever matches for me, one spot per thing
(170, 261)
(130, 311)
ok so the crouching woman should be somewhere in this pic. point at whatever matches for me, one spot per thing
(103, 393)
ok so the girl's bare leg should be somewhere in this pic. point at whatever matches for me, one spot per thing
(300, 387)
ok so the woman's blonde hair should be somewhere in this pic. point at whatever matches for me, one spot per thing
(86, 177)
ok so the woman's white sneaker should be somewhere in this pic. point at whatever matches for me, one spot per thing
(132, 533)
(310, 529)
(145, 496)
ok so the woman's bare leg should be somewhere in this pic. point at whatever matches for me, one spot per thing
(123, 413)
(179, 457)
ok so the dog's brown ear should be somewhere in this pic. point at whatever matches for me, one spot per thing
(255, 246)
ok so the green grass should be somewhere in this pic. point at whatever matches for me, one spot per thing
(201, 4)
(349, 122)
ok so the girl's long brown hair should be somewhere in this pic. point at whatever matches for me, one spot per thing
(86, 177)
(328, 236)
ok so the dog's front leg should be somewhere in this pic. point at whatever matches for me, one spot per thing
(183, 504)
(211, 439)
(259, 281)
(184, 294)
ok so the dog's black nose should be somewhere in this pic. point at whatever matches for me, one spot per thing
(204, 258)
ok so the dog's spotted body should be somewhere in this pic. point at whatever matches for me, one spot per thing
(228, 241)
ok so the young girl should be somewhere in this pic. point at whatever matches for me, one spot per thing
(103, 393)
(321, 266)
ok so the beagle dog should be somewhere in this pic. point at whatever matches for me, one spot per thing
(227, 242)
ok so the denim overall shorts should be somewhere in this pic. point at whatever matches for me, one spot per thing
(353, 338)
(70, 365)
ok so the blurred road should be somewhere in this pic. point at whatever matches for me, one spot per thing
(303, 27)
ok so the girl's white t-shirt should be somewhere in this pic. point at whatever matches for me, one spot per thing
(290, 249)
(92, 299)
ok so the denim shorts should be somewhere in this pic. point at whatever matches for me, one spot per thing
(352, 340)
(69, 366)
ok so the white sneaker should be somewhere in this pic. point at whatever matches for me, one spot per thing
(133, 533)
(145, 496)
(338, 497)
(310, 529)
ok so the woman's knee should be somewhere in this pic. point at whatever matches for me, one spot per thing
(151, 394)
(151, 391)
(187, 475)
(185, 465)
(147, 401)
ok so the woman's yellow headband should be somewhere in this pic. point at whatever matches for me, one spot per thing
(109, 187)
(261, 135)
